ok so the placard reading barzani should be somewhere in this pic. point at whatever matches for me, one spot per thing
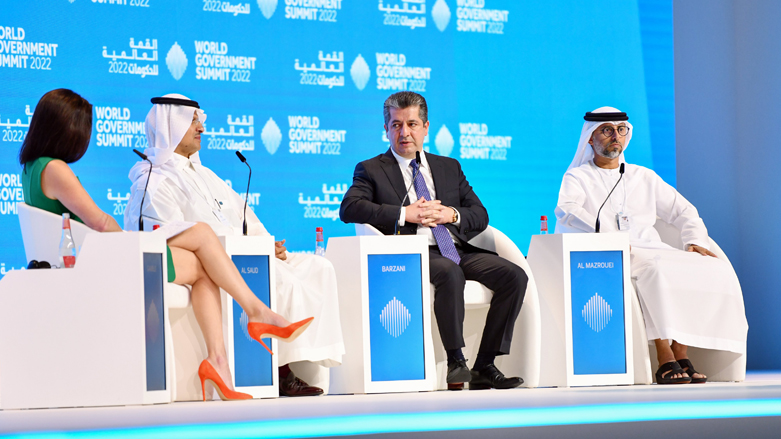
(396, 317)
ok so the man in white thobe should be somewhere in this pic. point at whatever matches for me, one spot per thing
(181, 189)
(687, 296)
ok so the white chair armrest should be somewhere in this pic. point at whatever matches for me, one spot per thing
(177, 296)
(366, 230)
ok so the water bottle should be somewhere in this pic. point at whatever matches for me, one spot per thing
(67, 246)
(319, 243)
(543, 225)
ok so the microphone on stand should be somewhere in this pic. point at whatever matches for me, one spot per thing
(246, 197)
(141, 208)
(620, 171)
(406, 195)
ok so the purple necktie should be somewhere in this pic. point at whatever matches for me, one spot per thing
(441, 235)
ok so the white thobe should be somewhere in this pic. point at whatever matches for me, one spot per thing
(306, 284)
(684, 296)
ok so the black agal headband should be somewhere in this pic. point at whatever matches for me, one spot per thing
(175, 101)
(605, 117)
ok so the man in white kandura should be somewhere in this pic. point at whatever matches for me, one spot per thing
(690, 297)
(181, 189)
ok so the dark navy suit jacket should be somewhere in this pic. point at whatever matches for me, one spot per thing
(378, 188)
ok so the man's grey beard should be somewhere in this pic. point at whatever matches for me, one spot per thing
(607, 154)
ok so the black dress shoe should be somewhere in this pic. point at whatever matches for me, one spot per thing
(291, 385)
(490, 377)
(457, 375)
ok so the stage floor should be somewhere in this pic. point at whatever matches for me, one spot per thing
(750, 409)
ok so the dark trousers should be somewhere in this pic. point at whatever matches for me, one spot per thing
(505, 279)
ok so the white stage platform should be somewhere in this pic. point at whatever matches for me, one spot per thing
(750, 409)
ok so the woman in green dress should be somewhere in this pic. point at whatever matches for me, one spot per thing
(59, 134)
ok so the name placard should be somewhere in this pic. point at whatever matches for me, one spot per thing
(251, 360)
(396, 317)
(598, 338)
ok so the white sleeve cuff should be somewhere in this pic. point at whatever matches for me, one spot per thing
(402, 215)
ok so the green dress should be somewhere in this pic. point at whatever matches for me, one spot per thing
(34, 196)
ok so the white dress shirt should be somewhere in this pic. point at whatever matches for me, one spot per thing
(425, 171)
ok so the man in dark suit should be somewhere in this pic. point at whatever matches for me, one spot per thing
(449, 213)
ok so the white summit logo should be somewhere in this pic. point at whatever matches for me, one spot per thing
(176, 61)
(267, 7)
(444, 141)
(360, 72)
(441, 15)
(271, 136)
(244, 321)
(395, 318)
(597, 313)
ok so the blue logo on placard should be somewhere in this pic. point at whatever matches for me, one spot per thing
(267, 7)
(176, 61)
(441, 15)
(360, 72)
(244, 321)
(395, 318)
(597, 313)
(271, 136)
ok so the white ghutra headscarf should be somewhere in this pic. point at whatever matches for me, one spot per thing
(593, 120)
(166, 124)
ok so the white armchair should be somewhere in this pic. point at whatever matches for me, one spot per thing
(717, 365)
(41, 232)
(524, 358)
(92, 335)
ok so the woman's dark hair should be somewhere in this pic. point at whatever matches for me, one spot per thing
(60, 128)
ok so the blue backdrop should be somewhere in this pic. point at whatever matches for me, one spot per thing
(298, 86)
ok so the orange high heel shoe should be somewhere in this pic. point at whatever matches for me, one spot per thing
(288, 333)
(207, 373)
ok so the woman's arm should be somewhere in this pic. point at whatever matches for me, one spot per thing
(59, 183)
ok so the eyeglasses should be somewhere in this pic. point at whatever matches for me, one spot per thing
(623, 130)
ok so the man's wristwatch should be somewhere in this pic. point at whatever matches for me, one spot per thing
(455, 215)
